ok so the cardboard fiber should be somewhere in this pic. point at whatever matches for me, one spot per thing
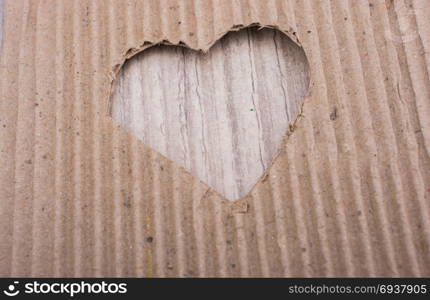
(347, 196)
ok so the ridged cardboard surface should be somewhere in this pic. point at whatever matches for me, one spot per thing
(348, 196)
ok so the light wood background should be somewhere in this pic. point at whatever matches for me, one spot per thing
(221, 115)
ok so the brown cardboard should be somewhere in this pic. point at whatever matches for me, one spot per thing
(347, 196)
(1, 23)
(222, 115)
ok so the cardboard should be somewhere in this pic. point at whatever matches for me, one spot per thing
(347, 196)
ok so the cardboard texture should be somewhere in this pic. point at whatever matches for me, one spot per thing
(347, 196)
(1, 23)
(222, 115)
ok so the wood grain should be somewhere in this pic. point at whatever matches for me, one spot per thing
(221, 115)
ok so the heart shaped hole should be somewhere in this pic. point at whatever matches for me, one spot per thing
(221, 115)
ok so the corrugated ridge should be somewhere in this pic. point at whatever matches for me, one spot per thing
(344, 156)
(22, 241)
(372, 187)
(304, 230)
(118, 25)
(64, 193)
(198, 221)
(420, 178)
(387, 146)
(336, 209)
(377, 123)
(422, 9)
(265, 228)
(406, 95)
(78, 143)
(415, 209)
(84, 140)
(125, 160)
(417, 206)
(346, 196)
(419, 69)
(423, 30)
(135, 197)
(111, 190)
(413, 142)
(283, 234)
(304, 250)
(310, 190)
(97, 168)
(367, 134)
(262, 231)
(43, 208)
(1, 24)
(8, 112)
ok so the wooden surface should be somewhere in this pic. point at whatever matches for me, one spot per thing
(221, 115)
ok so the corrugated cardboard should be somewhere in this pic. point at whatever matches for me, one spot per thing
(348, 195)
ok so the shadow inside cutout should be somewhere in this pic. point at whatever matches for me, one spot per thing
(221, 115)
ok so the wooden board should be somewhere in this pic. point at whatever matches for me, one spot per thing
(221, 115)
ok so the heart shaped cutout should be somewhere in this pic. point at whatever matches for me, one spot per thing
(222, 115)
